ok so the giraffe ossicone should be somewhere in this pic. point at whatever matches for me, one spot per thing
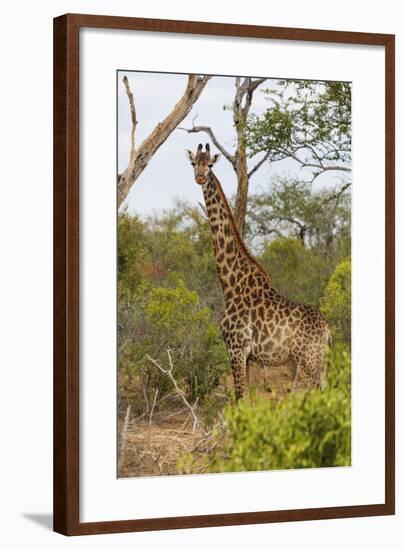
(258, 324)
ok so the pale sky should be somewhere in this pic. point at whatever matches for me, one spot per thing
(169, 174)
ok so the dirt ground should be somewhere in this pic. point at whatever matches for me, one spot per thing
(153, 448)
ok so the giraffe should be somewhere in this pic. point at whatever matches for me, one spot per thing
(258, 324)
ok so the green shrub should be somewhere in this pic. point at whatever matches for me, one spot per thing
(158, 319)
(305, 430)
(336, 302)
(133, 255)
(296, 272)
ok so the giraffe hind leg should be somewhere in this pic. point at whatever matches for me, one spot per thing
(239, 375)
(266, 373)
(308, 372)
(296, 377)
(248, 372)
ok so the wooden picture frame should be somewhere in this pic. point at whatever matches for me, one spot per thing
(67, 284)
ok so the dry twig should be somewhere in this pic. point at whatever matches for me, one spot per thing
(153, 406)
(169, 372)
(123, 438)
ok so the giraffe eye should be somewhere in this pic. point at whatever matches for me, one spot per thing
(193, 164)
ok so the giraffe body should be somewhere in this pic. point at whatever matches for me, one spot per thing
(258, 324)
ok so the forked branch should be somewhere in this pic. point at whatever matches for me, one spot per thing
(208, 130)
(169, 373)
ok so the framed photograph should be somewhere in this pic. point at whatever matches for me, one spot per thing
(223, 274)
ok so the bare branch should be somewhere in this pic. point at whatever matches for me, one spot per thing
(320, 172)
(153, 406)
(240, 92)
(208, 130)
(251, 87)
(204, 209)
(245, 91)
(169, 372)
(158, 136)
(256, 83)
(145, 396)
(335, 196)
(133, 115)
(259, 164)
(319, 167)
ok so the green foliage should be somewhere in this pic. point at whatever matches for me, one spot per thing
(161, 319)
(273, 131)
(297, 272)
(177, 244)
(184, 250)
(133, 257)
(174, 308)
(305, 430)
(308, 121)
(336, 302)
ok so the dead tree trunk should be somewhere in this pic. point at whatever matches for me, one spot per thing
(140, 156)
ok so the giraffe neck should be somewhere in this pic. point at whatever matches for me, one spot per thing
(235, 265)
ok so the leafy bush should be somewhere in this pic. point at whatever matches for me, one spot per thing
(133, 255)
(175, 245)
(336, 302)
(297, 272)
(305, 430)
(158, 319)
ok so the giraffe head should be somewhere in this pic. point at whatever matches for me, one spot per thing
(202, 162)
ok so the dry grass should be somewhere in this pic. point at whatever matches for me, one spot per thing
(154, 448)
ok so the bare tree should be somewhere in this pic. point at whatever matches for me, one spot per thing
(244, 89)
(140, 156)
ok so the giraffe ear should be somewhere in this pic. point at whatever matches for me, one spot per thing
(215, 158)
(190, 156)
